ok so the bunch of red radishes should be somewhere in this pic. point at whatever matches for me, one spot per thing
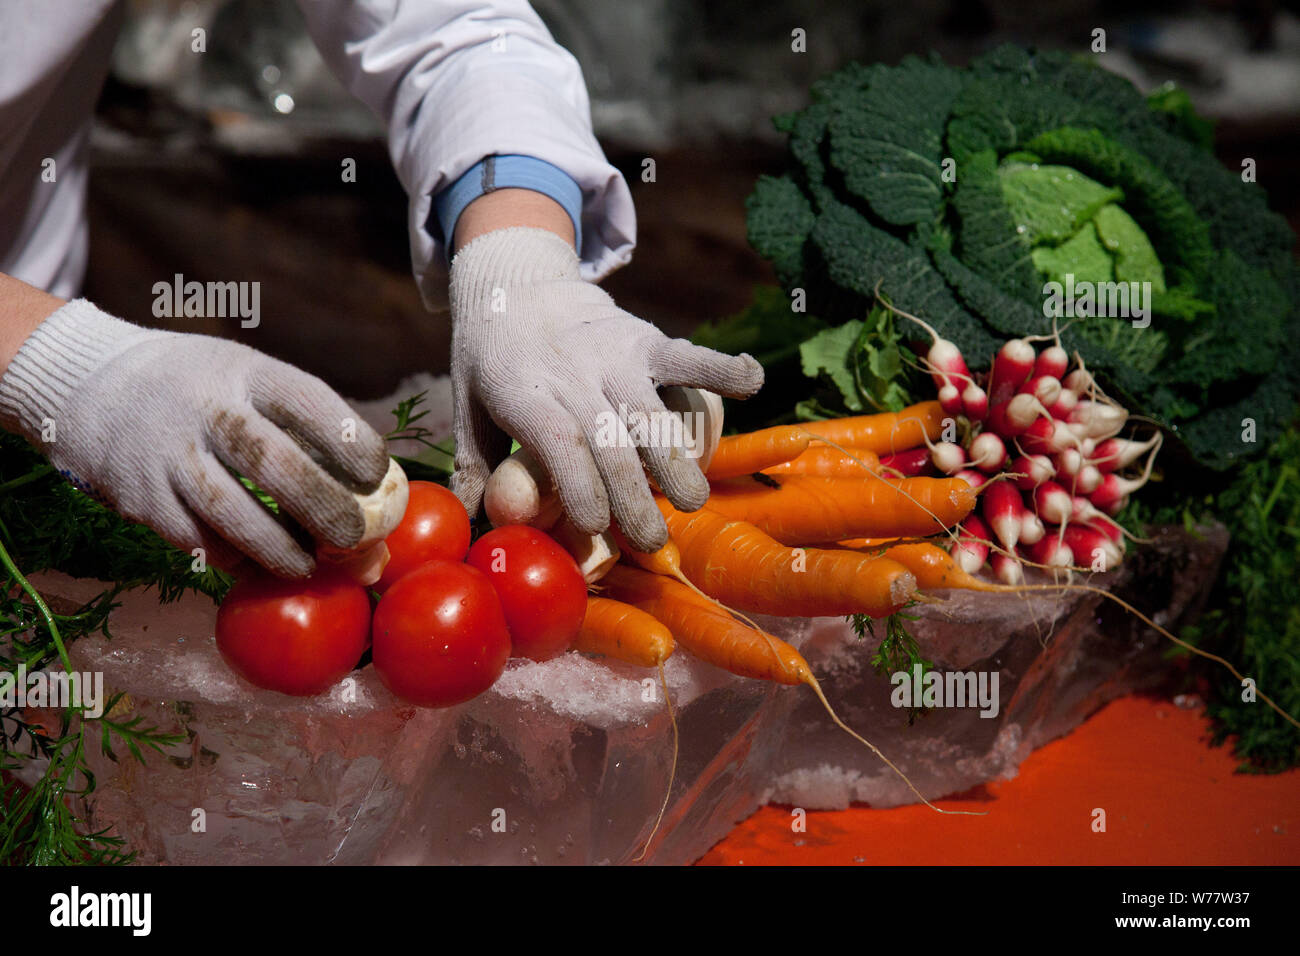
(1056, 436)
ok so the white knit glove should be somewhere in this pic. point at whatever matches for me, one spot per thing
(146, 421)
(542, 355)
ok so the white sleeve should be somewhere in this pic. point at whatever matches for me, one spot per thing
(458, 80)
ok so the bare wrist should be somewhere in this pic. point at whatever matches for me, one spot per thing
(507, 207)
(22, 308)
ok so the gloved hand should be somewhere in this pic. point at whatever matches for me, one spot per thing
(542, 355)
(146, 421)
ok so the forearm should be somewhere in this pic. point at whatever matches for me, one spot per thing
(22, 309)
(511, 207)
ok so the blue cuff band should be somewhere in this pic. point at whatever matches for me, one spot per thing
(502, 172)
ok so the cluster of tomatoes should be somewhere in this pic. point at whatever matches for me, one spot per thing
(448, 616)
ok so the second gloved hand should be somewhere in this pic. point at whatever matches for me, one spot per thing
(543, 355)
(148, 421)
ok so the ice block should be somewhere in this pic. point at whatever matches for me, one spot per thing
(567, 762)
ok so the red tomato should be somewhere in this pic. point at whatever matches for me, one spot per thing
(542, 591)
(435, 526)
(297, 637)
(440, 637)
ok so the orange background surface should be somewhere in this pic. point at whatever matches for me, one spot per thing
(1170, 799)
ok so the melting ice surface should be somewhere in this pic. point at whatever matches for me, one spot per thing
(568, 761)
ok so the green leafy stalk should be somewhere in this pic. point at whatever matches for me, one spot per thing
(407, 428)
(898, 651)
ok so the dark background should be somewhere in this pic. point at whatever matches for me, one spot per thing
(197, 170)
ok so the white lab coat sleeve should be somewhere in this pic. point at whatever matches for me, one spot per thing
(458, 80)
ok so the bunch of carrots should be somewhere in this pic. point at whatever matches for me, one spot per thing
(802, 521)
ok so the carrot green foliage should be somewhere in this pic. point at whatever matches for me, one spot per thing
(897, 652)
(1254, 616)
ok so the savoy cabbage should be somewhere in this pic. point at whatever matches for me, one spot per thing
(972, 197)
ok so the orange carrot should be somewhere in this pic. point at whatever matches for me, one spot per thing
(667, 561)
(827, 462)
(741, 566)
(935, 568)
(866, 544)
(717, 639)
(623, 632)
(803, 509)
(754, 451)
(708, 633)
(885, 433)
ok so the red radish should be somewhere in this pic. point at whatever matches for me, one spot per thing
(971, 549)
(1045, 388)
(1064, 405)
(910, 463)
(1002, 511)
(1109, 528)
(1097, 419)
(1052, 502)
(1031, 528)
(1084, 476)
(1080, 381)
(946, 363)
(1036, 470)
(950, 399)
(1083, 511)
(997, 421)
(1113, 493)
(988, 453)
(1053, 361)
(1011, 366)
(972, 477)
(1087, 480)
(1047, 436)
(1007, 569)
(1069, 462)
(1012, 417)
(975, 402)
(1088, 545)
(1116, 453)
(1052, 552)
(948, 457)
(947, 367)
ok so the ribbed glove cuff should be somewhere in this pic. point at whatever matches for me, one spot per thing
(505, 257)
(57, 357)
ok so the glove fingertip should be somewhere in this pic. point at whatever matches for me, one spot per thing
(647, 534)
(468, 484)
(747, 376)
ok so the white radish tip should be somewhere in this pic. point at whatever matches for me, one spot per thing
(1008, 570)
(1018, 350)
(947, 358)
